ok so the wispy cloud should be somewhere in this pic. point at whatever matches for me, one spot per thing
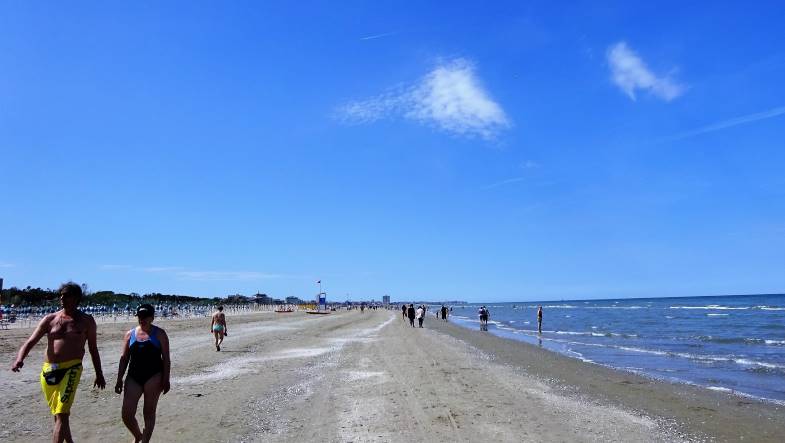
(725, 124)
(6, 265)
(630, 73)
(224, 275)
(374, 37)
(529, 164)
(526, 165)
(450, 97)
(503, 182)
(183, 273)
(162, 268)
(115, 267)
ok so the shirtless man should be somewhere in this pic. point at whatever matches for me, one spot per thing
(218, 327)
(67, 330)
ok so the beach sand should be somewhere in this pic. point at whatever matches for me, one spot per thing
(352, 376)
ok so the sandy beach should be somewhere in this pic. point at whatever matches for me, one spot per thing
(353, 376)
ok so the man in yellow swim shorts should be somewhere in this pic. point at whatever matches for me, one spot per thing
(67, 330)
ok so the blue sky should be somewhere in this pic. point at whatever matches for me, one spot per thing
(515, 151)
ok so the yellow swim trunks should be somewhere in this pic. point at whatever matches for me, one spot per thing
(59, 382)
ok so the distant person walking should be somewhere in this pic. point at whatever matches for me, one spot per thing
(403, 311)
(444, 313)
(539, 319)
(146, 356)
(410, 313)
(218, 327)
(484, 315)
(67, 330)
(420, 315)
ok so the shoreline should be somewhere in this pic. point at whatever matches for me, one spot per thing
(466, 323)
(693, 409)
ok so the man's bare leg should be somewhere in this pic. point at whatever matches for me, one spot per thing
(131, 396)
(217, 343)
(62, 429)
(152, 391)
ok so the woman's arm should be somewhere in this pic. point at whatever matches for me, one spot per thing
(118, 387)
(167, 362)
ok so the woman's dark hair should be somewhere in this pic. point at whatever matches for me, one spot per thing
(145, 310)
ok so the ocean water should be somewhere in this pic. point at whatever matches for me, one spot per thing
(729, 343)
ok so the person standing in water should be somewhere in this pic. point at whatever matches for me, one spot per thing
(218, 327)
(146, 356)
(67, 330)
(444, 313)
(539, 319)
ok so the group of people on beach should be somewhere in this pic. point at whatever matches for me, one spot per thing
(409, 312)
(484, 314)
(144, 356)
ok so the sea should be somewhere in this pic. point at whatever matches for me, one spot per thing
(734, 344)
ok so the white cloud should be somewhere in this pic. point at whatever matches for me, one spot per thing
(450, 98)
(630, 73)
(6, 265)
(374, 108)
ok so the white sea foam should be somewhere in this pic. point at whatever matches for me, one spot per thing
(714, 307)
(747, 362)
(770, 308)
(717, 315)
(617, 307)
(719, 388)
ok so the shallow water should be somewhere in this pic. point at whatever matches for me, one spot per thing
(729, 343)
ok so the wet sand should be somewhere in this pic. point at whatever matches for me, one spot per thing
(353, 376)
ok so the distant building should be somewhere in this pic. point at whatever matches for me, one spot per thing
(263, 299)
(294, 301)
(386, 300)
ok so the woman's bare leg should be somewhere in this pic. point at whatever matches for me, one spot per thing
(131, 394)
(152, 390)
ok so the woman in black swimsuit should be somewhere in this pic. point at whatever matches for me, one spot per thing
(146, 355)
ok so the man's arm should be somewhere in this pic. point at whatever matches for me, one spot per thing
(167, 363)
(212, 322)
(92, 346)
(41, 330)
